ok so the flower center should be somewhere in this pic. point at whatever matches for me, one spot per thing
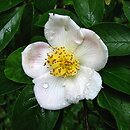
(62, 62)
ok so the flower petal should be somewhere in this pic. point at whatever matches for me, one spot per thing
(33, 59)
(49, 92)
(93, 87)
(75, 86)
(62, 31)
(92, 52)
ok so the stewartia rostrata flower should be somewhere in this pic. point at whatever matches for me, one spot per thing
(64, 71)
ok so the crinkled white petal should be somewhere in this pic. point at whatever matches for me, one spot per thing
(86, 84)
(92, 53)
(33, 59)
(93, 86)
(49, 92)
(55, 93)
(62, 31)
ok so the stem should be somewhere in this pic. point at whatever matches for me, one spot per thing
(59, 121)
(85, 118)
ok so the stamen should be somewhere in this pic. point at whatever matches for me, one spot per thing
(62, 62)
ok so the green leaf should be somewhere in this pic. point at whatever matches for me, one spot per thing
(90, 12)
(38, 38)
(26, 23)
(27, 115)
(118, 105)
(126, 9)
(115, 36)
(13, 68)
(67, 2)
(118, 77)
(73, 114)
(5, 17)
(7, 4)
(45, 5)
(6, 85)
(10, 28)
(107, 118)
(42, 19)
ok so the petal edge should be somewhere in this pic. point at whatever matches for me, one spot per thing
(33, 59)
(92, 53)
(61, 30)
(51, 96)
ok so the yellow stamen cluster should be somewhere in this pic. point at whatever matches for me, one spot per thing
(62, 62)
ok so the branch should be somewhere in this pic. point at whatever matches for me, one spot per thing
(85, 118)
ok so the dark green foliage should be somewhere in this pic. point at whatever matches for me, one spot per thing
(119, 106)
(13, 68)
(22, 22)
(30, 114)
(10, 28)
(115, 36)
(117, 76)
(90, 12)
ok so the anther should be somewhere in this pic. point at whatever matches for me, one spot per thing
(44, 63)
(62, 62)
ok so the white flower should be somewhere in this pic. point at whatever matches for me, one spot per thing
(64, 71)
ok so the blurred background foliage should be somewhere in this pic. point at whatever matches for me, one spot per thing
(22, 22)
